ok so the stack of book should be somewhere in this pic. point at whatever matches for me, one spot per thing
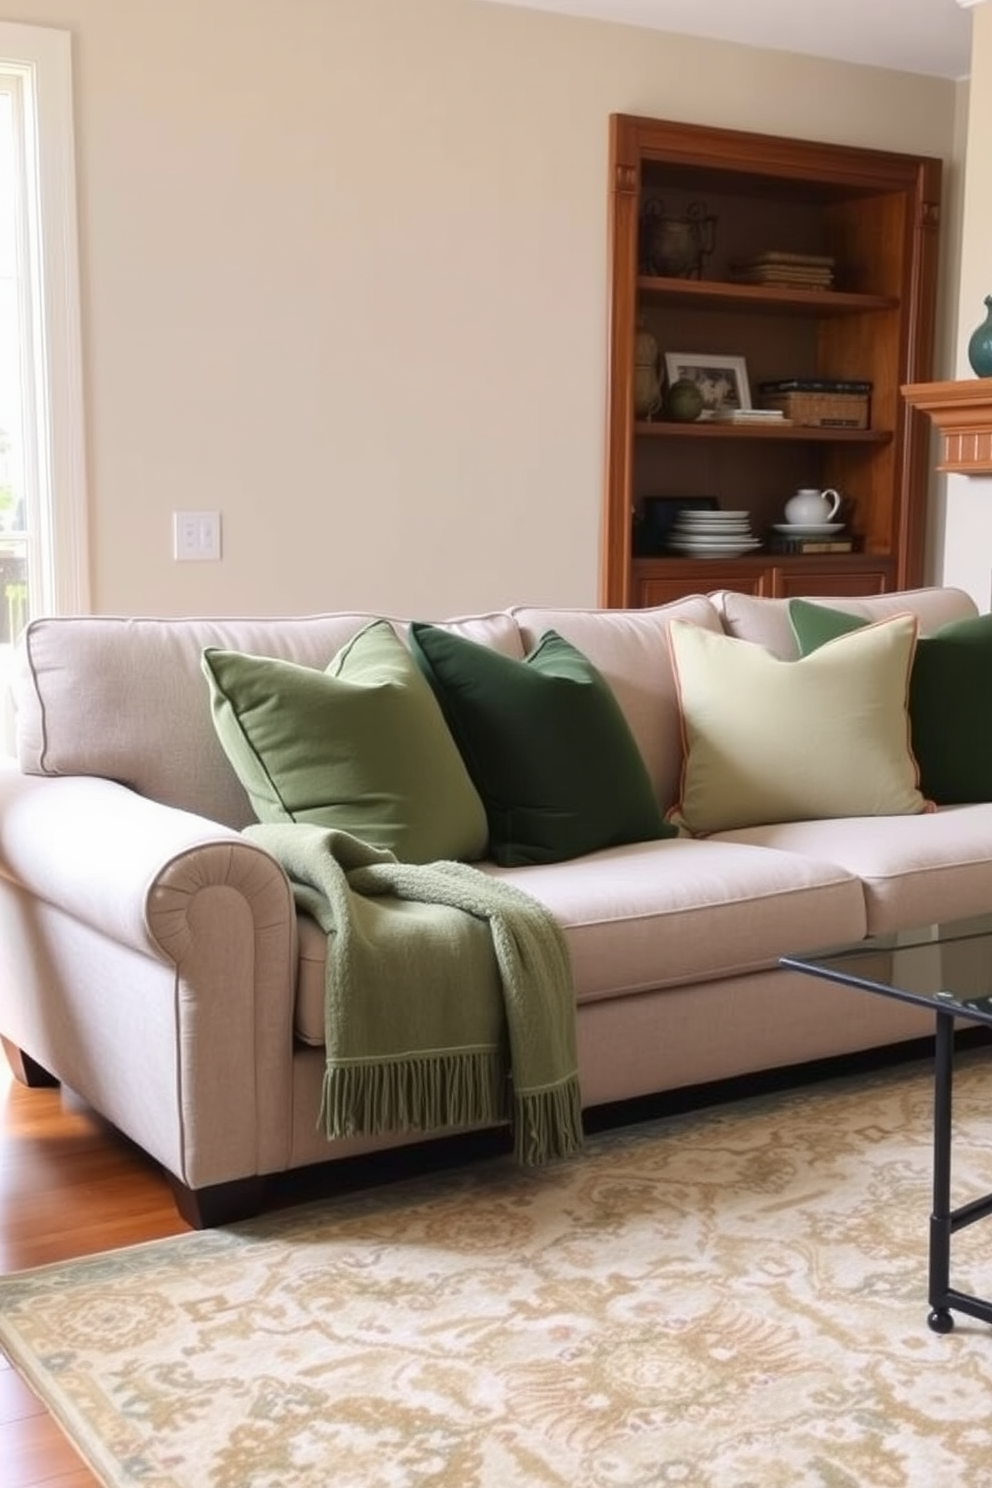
(749, 416)
(780, 270)
(800, 543)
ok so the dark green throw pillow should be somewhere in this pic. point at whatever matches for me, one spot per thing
(361, 746)
(950, 698)
(547, 745)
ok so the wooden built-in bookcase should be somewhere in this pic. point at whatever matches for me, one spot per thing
(876, 213)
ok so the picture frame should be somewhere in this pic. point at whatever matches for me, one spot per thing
(722, 380)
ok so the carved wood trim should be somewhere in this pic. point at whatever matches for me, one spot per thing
(962, 413)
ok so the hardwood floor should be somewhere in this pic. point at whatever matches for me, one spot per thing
(69, 1186)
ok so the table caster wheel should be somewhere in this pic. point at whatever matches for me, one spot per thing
(940, 1320)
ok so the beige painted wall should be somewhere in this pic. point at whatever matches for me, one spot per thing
(965, 557)
(344, 278)
(946, 348)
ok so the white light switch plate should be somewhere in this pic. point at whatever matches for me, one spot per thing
(196, 535)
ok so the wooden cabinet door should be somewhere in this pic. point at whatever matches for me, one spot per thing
(663, 589)
(830, 580)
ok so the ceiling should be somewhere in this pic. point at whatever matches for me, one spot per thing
(924, 36)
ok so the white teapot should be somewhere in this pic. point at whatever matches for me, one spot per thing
(812, 508)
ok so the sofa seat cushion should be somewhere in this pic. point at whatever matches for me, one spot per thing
(915, 869)
(658, 914)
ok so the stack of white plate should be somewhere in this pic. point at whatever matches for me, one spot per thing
(712, 534)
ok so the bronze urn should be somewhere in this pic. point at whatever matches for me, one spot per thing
(673, 245)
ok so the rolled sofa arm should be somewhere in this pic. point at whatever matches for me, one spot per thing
(148, 959)
(114, 860)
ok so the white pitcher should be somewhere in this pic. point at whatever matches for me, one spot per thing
(812, 508)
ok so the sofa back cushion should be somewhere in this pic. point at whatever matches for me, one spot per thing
(767, 620)
(630, 649)
(126, 698)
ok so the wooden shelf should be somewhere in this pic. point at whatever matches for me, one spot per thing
(708, 429)
(962, 412)
(717, 294)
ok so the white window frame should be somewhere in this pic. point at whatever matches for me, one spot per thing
(40, 57)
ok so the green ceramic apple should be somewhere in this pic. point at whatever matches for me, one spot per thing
(683, 401)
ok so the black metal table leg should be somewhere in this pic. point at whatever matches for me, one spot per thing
(940, 1319)
(859, 966)
(945, 1221)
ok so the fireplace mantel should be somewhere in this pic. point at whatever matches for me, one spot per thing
(962, 412)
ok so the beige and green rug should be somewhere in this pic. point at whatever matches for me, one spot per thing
(731, 1299)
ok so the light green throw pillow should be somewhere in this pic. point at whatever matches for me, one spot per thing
(768, 740)
(547, 745)
(950, 698)
(362, 746)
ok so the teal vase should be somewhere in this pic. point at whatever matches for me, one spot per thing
(980, 344)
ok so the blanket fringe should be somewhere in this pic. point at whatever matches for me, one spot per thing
(547, 1124)
(416, 1094)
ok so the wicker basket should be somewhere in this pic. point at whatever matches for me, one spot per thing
(821, 410)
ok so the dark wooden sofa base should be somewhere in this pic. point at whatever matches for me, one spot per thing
(25, 1070)
(221, 1203)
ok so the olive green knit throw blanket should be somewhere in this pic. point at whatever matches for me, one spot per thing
(448, 997)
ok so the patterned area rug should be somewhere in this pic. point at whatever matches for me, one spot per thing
(729, 1299)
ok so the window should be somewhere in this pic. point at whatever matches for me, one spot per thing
(43, 560)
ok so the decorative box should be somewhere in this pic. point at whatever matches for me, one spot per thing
(819, 404)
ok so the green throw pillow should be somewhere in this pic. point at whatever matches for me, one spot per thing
(362, 746)
(546, 744)
(950, 698)
(774, 741)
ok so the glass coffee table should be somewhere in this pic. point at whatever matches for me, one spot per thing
(947, 968)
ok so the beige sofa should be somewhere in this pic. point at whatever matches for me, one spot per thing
(152, 960)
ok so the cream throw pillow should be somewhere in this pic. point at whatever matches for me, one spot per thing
(771, 741)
